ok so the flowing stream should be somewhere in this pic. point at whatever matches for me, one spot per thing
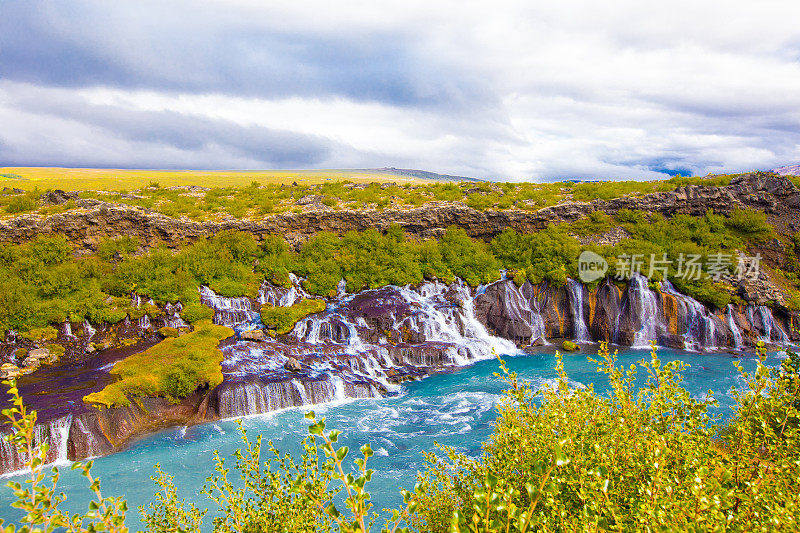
(455, 409)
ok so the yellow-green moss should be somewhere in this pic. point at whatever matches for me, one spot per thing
(569, 346)
(283, 319)
(167, 331)
(47, 333)
(172, 368)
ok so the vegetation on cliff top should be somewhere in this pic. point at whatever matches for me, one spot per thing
(262, 197)
(173, 368)
(643, 456)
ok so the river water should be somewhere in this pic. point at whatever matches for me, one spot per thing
(455, 409)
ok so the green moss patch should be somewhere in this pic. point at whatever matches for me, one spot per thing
(47, 333)
(173, 369)
(569, 346)
(283, 319)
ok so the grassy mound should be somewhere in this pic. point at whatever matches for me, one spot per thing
(173, 368)
(283, 319)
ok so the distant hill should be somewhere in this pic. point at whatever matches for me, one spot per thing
(421, 174)
(789, 170)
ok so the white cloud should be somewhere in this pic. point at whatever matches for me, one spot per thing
(619, 89)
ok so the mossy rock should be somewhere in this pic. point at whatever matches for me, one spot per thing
(57, 350)
(167, 331)
(20, 354)
(100, 346)
(569, 346)
(283, 319)
(47, 333)
(171, 369)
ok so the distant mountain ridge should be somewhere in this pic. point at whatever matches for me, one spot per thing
(421, 174)
(788, 170)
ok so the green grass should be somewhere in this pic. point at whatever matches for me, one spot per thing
(173, 368)
(283, 319)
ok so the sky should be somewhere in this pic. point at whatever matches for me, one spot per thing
(497, 90)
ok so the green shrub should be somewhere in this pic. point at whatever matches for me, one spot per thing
(109, 247)
(20, 204)
(180, 381)
(195, 311)
(750, 223)
(167, 331)
(645, 457)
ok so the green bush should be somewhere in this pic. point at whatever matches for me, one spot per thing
(180, 381)
(643, 458)
(20, 204)
(750, 223)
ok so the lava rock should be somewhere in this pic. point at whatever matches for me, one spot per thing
(293, 365)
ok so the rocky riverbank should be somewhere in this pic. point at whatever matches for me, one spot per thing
(363, 345)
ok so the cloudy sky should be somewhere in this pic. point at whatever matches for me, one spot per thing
(509, 90)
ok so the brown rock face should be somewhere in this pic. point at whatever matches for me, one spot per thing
(606, 312)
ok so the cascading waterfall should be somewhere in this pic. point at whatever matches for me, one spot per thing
(701, 330)
(66, 330)
(581, 331)
(735, 331)
(452, 325)
(172, 317)
(340, 358)
(760, 319)
(228, 311)
(90, 331)
(55, 433)
(772, 330)
(646, 304)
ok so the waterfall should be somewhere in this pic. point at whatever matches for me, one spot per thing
(144, 322)
(356, 349)
(256, 397)
(172, 317)
(766, 324)
(55, 433)
(228, 311)
(90, 331)
(735, 331)
(451, 325)
(581, 331)
(772, 330)
(66, 330)
(700, 329)
(341, 289)
(647, 311)
(281, 296)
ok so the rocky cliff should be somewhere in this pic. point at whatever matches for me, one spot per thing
(93, 220)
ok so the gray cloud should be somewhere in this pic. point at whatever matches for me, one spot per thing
(198, 47)
(149, 135)
(534, 89)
